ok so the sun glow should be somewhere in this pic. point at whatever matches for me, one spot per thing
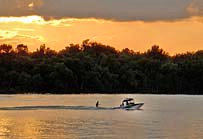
(7, 34)
(23, 19)
(184, 35)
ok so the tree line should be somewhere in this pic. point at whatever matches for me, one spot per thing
(92, 67)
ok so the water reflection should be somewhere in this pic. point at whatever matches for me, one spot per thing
(52, 124)
(19, 128)
(156, 120)
(33, 125)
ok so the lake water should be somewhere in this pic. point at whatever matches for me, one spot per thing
(75, 117)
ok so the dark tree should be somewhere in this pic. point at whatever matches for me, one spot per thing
(22, 49)
(5, 48)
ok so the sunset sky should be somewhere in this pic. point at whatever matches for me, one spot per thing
(174, 25)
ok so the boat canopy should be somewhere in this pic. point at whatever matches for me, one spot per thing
(128, 99)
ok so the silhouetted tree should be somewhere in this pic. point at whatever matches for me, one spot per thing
(22, 49)
(157, 53)
(5, 48)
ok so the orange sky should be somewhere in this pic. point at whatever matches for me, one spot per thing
(173, 36)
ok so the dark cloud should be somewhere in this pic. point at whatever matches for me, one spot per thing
(19, 7)
(123, 10)
(195, 7)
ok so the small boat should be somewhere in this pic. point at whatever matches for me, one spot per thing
(128, 104)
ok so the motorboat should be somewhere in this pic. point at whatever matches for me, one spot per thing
(128, 104)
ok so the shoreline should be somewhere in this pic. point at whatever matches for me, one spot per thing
(162, 94)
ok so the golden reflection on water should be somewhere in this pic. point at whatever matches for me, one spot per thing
(157, 119)
(39, 124)
(4, 130)
(19, 128)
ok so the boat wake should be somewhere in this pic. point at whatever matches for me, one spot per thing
(127, 104)
(57, 108)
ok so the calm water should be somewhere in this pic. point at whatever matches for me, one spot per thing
(74, 117)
